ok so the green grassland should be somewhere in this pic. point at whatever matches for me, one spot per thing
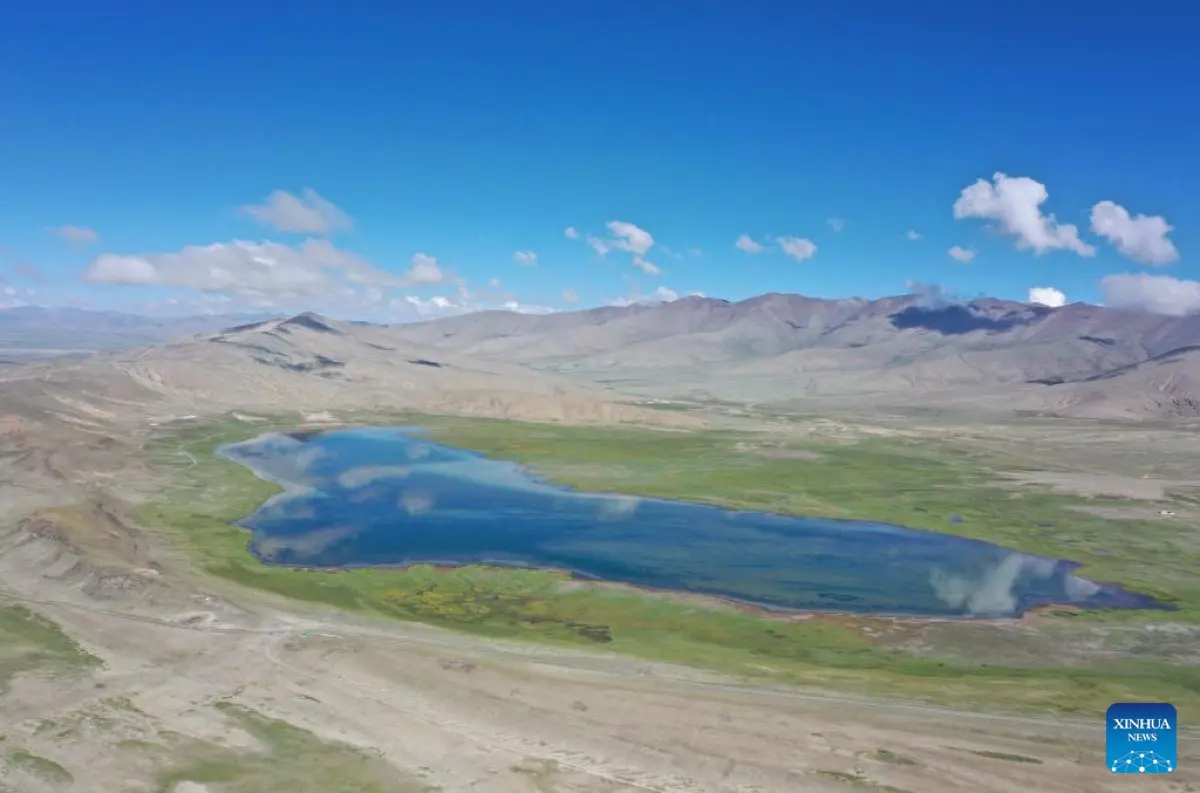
(29, 642)
(292, 760)
(278, 757)
(889, 480)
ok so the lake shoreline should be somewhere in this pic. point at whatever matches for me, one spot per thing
(1101, 597)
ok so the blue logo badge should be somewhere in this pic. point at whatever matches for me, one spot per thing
(1141, 737)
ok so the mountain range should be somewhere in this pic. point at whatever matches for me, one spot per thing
(918, 350)
(785, 351)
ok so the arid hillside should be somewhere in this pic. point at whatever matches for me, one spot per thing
(910, 350)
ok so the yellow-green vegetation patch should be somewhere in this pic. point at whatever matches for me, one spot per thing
(890, 757)
(1006, 756)
(860, 782)
(30, 642)
(541, 773)
(21, 761)
(883, 480)
(291, 760)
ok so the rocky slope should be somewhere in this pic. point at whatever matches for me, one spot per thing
(1078, 360)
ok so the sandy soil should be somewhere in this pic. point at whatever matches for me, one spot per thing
(473, 712)
(1092, 484)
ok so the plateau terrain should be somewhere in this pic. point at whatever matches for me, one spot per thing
(144, 647)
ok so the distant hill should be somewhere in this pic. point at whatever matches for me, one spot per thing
(36, 332)
(774, 350)
(906, 350)
(305, 363)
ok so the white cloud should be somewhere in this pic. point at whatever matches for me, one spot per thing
(77, 234)
(433, 306)
(307, 213)
(696, 252)
(1015, 204)
(525, 308)
(1156, 294)
(1142, 238)
(913, 235)
(570, 296)
(494, 283)
(629, 238)
(747, 245)
(571, 233)
(260, 272)
(837, 224)
(528, 258)
(598, 245)
(958, 253)
(797, 247)
(660, 295)
(443, 306)
(645, 266)
(1047, 296)
(424, 270)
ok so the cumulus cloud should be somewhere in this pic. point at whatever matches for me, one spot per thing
(1014, 204)
(434, 306)
(528, 258)
(424, 270)
(645, 266)
(1155, 294)
(598, 245)
(660, 295)
(747, 245)
(307, 213)
(629, 238)
(570, 296)
(930, 296)
(1142, 238)
(797, 247)
(571, 233)
(961, 254)
(1047, 296)
(913, 235)
(260, 271)
(12, 296)
(837, 224)
(76, 234)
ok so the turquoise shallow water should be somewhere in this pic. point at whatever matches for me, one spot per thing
(389, 497)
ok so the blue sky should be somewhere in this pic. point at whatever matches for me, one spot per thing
(137, 138)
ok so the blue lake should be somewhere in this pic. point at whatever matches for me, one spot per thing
(390, 497)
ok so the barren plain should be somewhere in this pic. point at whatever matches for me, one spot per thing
(142, 648)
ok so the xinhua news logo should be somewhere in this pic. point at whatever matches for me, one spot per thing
(1141, 738)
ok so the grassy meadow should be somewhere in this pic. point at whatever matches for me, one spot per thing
(890, 480)
(30, 642)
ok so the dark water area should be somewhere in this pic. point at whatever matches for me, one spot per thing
(389, 497)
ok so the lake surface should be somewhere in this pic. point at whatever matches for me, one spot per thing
(390, 497)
